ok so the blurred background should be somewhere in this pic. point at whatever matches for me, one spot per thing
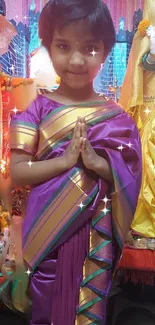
(24, 57)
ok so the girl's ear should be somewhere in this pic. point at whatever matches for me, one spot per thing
(104, 57)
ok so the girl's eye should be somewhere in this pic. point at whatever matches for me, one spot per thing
(91, 49)
(63, 46)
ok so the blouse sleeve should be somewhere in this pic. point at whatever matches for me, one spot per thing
(24, 130)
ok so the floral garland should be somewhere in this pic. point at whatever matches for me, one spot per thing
(145, 28)
(8, 83)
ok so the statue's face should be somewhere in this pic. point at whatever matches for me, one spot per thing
(149, 11)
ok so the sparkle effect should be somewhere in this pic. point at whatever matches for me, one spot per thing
(93, 53)
(12, 68)
(30, 163)
(3, 166)
(147, 111)
(129, 144)
(28, 272)
(105, 210)
(120, 148)
(15, 110)
(81, 205)
(105, 200)
(152, 166)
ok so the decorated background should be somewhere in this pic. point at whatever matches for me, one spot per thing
(23, 58)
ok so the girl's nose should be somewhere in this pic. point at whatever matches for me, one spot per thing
(77, 59)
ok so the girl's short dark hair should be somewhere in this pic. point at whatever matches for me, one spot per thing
(59, 13)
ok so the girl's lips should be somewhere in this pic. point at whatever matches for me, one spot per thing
(77, 73)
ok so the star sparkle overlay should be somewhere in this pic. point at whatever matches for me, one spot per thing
(81, 205)
(147, 111)
(30, 163)
(15, 110)
(105, 200)
(152, 166)
(28, 272)
(93, 53)
(12, 68)
(120, 147)
(129, 144)
(105, 210)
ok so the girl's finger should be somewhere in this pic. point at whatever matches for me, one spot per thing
(83, 147)
(87, 145)
(74, 132)
(78, 130)
(84, 131)
(77, 144)
(81, 143)
(78, 119)
(83, 120)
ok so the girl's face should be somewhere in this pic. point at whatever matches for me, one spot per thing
(76, 55)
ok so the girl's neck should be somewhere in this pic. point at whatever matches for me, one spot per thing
(68, 95)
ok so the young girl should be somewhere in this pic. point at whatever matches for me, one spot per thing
(81, 156)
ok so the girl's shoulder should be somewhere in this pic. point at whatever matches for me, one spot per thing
(41, 107)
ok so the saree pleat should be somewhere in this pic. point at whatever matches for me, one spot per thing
(42, 290)
(69, 276)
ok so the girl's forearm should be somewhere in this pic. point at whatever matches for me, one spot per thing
(27, 173)
(103, 169)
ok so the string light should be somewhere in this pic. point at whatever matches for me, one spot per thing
(3, 165)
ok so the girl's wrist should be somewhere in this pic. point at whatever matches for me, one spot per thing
(98, 164)
(64, 162)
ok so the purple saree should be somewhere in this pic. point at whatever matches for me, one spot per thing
(76, 223)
